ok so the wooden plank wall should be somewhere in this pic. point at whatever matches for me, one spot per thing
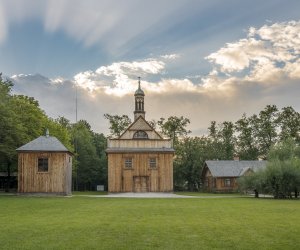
(58, 179)
(121, 179)
(139, 143)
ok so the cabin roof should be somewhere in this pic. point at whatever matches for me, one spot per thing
(44, 143)
(233, 168)
(139, 150)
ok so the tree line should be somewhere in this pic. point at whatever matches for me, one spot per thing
(249, 138)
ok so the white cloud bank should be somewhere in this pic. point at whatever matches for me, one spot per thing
(262, 68)
(268, 53)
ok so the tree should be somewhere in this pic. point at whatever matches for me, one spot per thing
(227, 140)
(265, 128)
(191, 152)
(118, 123)
(221, 140)
(100, 143)
(174, 127)
(281, 177)
(12, 133)
(289, 122)
(90, 163)
(246, 146)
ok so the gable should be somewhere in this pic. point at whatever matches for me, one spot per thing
(140, 124)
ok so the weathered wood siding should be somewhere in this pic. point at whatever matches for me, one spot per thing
(58, 179)
(140, 178)
(115, 143)
(217, 184)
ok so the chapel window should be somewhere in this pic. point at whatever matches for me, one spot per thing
(152, 162)
(128, 162)
(140, 135)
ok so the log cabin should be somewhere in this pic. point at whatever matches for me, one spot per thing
(44, 167)
(140, 160)
(222, 176)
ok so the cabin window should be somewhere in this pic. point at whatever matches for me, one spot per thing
(152, 162)
(227, 182)
(206, 182)
(214, 182)
(42, 164)
(140, 135)
(128, 162)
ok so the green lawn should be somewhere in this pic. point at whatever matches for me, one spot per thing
(209, 194)
(112, 223)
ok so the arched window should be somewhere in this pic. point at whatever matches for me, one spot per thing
(140, 134)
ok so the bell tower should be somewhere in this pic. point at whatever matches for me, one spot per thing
(139, 102)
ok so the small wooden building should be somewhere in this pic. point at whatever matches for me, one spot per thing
(140, 160)
(44, 166)
(221, 176)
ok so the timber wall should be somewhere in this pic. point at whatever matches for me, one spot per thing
(117, 143)
(57, 180)
(140, 178)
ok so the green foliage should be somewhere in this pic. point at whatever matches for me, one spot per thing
(245, 143)
(91, 163)
(289, 122)
(281, 177)
(174, 127)
(265, 128)
(118, 124)
(121, 223)
(190, 156)
(221, 141)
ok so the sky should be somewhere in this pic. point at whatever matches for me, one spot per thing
(204, 60)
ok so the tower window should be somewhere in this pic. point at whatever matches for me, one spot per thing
(140, 134)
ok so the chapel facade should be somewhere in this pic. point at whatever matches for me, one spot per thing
(140, 160)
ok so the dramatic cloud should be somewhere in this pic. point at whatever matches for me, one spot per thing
(119, 78)
(266, 55)
(261, 69)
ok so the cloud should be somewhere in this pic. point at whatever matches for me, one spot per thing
(267, 53)
(119, 78)
(262, 68)
(171, 56)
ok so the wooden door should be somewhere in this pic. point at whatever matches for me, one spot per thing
(141, 184)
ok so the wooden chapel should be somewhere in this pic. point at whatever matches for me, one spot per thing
(140, 160)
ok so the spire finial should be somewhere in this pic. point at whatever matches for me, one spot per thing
(47, 132)
(139, 82)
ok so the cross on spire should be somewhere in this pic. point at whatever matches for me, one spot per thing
(139, 82)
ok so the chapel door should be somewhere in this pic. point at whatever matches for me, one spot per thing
(141, 184)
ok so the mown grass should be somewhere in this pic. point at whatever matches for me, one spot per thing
(112, 223)
(203, 194)
(89, 193)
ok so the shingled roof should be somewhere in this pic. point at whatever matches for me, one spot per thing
(44, 143)
(233, 168)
